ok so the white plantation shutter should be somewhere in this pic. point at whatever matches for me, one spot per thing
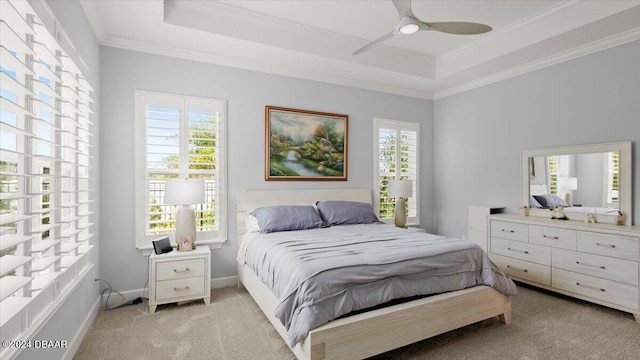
(612, 173)
(45, 135)
(179, 137)
(396, 149)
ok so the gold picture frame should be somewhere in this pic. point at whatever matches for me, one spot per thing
(304, 145)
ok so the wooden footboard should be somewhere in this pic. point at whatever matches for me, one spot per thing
(374, 332)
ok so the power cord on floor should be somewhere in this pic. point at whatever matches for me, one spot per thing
(110, 290)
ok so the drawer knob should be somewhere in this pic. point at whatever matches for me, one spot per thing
(597, 266)
(550, 237)
(181, 288)
(183, 270)
(591, 287)
(606, 245)
(508, 231)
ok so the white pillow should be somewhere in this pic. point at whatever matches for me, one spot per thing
(251, 223)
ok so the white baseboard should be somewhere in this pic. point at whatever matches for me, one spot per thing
(114, 299)
(74, 345)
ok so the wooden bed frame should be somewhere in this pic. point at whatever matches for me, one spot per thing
(372, 332)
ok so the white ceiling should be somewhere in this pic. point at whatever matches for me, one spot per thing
(315, 39)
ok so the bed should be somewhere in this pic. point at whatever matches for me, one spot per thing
(540, 203)
(374, 331)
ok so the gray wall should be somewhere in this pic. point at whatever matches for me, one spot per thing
(479, 134)
(247, 93)
(65, 323)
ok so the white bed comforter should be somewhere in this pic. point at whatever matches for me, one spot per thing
(322, 274)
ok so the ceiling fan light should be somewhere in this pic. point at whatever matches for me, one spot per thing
(409, 28)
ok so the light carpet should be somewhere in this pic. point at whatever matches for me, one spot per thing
(545, 326)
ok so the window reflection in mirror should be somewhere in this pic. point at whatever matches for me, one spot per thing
(578, 180)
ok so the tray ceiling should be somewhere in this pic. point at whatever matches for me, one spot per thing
(315, 39)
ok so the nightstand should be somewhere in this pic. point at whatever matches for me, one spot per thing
(179, 276)
(415, 229)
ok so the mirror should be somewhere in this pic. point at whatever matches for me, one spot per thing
(587, 180)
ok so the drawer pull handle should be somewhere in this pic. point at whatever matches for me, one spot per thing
(522, 251)
(508, 231)
(550, 237)
(181, 288)
(597, 266)
(523, 270)
(183, 270)
(591, 287)
(606, 245)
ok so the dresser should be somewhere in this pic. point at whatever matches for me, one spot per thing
(593, 262)
(477, 231)
(179, 276)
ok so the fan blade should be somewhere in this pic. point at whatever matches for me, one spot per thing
(369, 45)
(459, 28)
(403, 7)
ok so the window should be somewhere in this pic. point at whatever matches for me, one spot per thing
(396, 149)
(558, 166)
(179, 137)
(45, 158)
(612, 173)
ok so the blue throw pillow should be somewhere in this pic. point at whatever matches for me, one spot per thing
(286, 218)
(346, 212)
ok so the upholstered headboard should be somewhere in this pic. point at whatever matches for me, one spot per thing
(540, 189)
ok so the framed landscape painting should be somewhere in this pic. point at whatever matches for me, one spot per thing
(305, 145)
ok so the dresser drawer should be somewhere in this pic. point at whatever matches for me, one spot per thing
(560, 238)
(174, 289)
(179, 269)
(625, 271)
(623, 247)
(524, 251)
(509, 230)
(601, 289)
(524, 270)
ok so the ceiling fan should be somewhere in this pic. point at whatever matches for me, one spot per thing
(409, 24)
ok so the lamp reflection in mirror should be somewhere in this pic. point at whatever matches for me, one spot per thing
(400, 189)
(184, 193)
(568, 184)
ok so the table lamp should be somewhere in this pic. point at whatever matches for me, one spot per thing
(184, 193)
(568, 184)
(400, 189)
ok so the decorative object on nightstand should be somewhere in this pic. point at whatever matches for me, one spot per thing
(179, 276)
(184, 193)
(400, 189)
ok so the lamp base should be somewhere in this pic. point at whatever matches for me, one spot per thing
(185, 228)
(401, 213)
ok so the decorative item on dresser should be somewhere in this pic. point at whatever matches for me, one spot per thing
(179, 276)
(593, 262)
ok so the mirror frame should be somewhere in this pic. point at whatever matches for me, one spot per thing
(626, 186)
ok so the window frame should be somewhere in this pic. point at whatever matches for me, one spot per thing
(399, 126)
(214, 239)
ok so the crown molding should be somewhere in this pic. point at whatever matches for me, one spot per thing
(590, 48)
(269, 68)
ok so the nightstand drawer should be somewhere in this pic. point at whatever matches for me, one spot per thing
(601, 289)
(524, 251)
(524, 270)
(509, 230)
(560, 238)
(179, 269)
(174, 289)
(624, 247)
(625, 271)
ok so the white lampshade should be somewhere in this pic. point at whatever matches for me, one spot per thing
(572, 183)
(400, 188)
(184, 192)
